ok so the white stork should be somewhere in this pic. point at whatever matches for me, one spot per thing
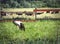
(19, 24)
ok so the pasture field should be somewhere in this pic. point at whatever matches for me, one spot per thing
(42, 29)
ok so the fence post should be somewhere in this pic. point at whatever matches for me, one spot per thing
(35, 13)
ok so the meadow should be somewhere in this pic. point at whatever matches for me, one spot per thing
(42, 29)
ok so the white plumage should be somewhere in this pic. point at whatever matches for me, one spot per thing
(18, 22)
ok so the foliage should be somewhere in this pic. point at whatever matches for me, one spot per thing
(29, 3)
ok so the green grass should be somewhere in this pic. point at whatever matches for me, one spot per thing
(40, 29)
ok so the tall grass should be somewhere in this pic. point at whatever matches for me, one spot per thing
(44, 29)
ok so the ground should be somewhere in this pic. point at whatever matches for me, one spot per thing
(33, 30)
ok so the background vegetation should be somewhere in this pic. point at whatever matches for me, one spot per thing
(29, 3)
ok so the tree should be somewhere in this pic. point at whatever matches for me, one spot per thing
(29, 3)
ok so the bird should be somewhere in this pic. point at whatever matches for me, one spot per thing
(19, 24)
